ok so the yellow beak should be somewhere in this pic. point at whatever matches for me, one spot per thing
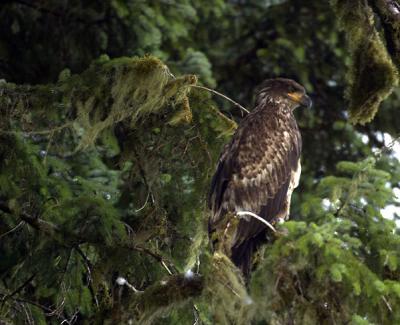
(300, 98)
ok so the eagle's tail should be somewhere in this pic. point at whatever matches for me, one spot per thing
(242, 257)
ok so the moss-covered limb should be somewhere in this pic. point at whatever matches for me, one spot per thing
(372, 74)
(225, 291)
(46, 227)
(69, 239)
(162, 295)
(389, 13)
(110, 91)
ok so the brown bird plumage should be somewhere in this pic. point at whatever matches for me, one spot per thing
(257, 171)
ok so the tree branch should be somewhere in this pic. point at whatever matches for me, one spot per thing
(176, 289)
(223, 96)
(22, 286)
(57, 13)
(389, 14)
(73, 240)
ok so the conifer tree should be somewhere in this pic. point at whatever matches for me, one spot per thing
(106, 155)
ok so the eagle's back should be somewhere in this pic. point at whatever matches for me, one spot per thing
(254, 174)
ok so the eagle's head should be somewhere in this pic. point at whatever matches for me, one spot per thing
(286, 93)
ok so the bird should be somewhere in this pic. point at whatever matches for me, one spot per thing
(257, 172)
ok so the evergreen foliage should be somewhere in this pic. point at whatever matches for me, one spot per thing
(337, 265)
(105, 163)
(102, 208)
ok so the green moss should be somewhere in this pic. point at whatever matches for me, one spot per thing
(391, 27)
(154, 137)
(372, 75)
(166, 295)
(109, 92)
(140, 86)
(225, 292)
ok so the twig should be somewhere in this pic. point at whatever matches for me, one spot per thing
(251, 214)
(5, 297)
(230, 288)
(57, 311)
(48, 148)
(88, 264)
(387, 147)
(72, 320)
(89, 267)
(156, 256)
(196, 315)
(129, 229)
(145, 202)
(387, 304)
(143, 175)
(12, 230)
(166, 267)
(39, 132)
(123, 282)
(28, 315)
(278, 279)
(223, 96)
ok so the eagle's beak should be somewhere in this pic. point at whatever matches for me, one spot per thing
(301, 98)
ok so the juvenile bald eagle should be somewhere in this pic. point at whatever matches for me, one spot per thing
(257, 171)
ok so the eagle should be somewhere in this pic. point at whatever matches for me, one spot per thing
(257, 172)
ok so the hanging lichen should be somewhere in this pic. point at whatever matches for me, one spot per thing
(388, 11)
(93, 164)
(140, 86)
(109, 92)
(372, 74)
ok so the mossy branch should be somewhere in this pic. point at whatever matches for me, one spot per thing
(389, 13)
(372, 74)
(170, 292)
(109, 92)
(73, 240)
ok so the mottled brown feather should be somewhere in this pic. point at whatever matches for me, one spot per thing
(258, 142)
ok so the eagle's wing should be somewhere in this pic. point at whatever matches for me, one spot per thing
(254, 172)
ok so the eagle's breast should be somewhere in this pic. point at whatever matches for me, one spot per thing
(258, 164)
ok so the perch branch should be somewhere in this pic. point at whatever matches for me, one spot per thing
(253, 215)
(221, 95)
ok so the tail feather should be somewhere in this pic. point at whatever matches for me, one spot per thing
(242, 257)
